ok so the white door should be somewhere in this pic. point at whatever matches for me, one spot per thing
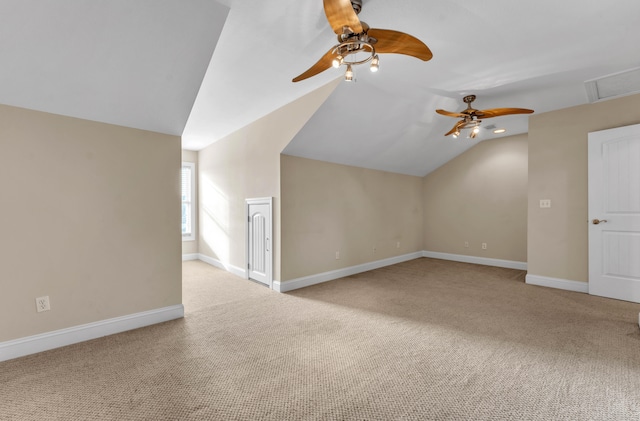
(614, 213)
(259, 242)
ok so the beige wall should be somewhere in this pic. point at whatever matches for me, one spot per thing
(480, 197)
(329, 208)
(557, 241)
(191, 246)
(90, 217)
(246, 164)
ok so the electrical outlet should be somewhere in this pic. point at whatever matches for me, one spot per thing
(398, 245)
(466, 244)
(42, 304)
(545, 203)
(337, 255)
(484, 246)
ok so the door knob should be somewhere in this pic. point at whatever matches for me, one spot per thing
(598, 221)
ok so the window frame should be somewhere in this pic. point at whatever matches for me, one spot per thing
(192, 184)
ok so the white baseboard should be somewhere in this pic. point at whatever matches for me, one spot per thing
(192, 256)
(63, 337)
(341, 273)
(224, 266)
(568, 285)
(509, 264)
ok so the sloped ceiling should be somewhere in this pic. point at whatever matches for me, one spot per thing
(204, 69)
(135, 63)
(510, 54)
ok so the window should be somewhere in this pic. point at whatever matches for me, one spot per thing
(187, 186)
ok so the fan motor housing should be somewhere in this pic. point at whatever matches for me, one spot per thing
(357, 5)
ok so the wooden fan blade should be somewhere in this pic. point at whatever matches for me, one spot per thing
(497, 112)
(321, 65)
(399, 43)
(455, 128)
(340, 13)
(450, 114)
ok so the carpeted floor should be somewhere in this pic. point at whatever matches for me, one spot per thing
(423, 340)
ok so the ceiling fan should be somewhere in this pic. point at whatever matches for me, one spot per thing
(471, 118)
(355, 36)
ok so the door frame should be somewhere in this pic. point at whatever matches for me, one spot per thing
(248, 203)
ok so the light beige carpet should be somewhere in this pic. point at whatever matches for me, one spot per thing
(423, 340)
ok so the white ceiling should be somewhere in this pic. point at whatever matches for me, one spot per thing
(148, 64)
(135, 63)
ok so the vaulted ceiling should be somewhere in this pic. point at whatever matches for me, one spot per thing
(135, 63)
(204, 69)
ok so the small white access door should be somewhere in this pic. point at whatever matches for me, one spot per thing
(614, 213)
(259, 240)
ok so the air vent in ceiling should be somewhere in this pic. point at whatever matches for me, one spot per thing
(490, 127)
(615, 85)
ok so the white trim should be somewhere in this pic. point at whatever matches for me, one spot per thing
(509, 264)
(192, 256)
(224, 266)
(63, 337)
(341, 273)
(545, 281)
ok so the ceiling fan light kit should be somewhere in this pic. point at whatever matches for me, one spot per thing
(475, 129)
(356, 37)
(346, 48)
(375, 64)
(348, 75)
